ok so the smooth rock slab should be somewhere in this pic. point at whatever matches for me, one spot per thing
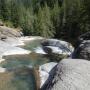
(44, 71)
(69, 74)
(57, 46)
(9, 49)
(16, 51)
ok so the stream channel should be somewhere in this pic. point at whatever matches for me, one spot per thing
(19, 76)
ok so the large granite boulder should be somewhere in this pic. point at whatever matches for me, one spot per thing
(83, 47)
(57, 46)
(69, 74)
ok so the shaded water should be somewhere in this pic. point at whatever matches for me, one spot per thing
(19, 76)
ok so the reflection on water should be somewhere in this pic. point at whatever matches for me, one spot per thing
(19, 79)
(16, 61)
(19, 76)
(32, 44)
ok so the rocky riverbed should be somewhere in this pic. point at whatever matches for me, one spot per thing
(72, 74)
(10, 40)
(68, 74)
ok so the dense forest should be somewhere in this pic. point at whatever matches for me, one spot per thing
(65, 19)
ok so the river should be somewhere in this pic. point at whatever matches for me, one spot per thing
(19, 76)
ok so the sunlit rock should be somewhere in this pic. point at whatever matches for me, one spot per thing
(57, 46)
(69, 74)
(44, 71)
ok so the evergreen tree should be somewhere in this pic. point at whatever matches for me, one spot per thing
(56, 18)
(4, 10)
(44, 24)
(15, 12)
(64, 19)
(85, 16)
(26, 21)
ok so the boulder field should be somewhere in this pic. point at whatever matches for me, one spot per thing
(72, 74)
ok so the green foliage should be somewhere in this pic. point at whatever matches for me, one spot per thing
(14, 13)
(65, 19)
(71, 13)
(85, 16)
(8, 24)
(43, 23)
(4, 10)
(26, 22)
(56, 18)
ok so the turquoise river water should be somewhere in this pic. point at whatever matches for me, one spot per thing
(19, 76)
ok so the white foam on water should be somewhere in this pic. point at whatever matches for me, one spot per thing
(39, 50)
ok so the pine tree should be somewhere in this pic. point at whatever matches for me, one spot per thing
(15, 12)
(56, 18)
(44, 24)
(4, 10)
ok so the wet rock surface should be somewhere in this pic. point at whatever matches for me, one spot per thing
(57, 46)
(57, 49)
